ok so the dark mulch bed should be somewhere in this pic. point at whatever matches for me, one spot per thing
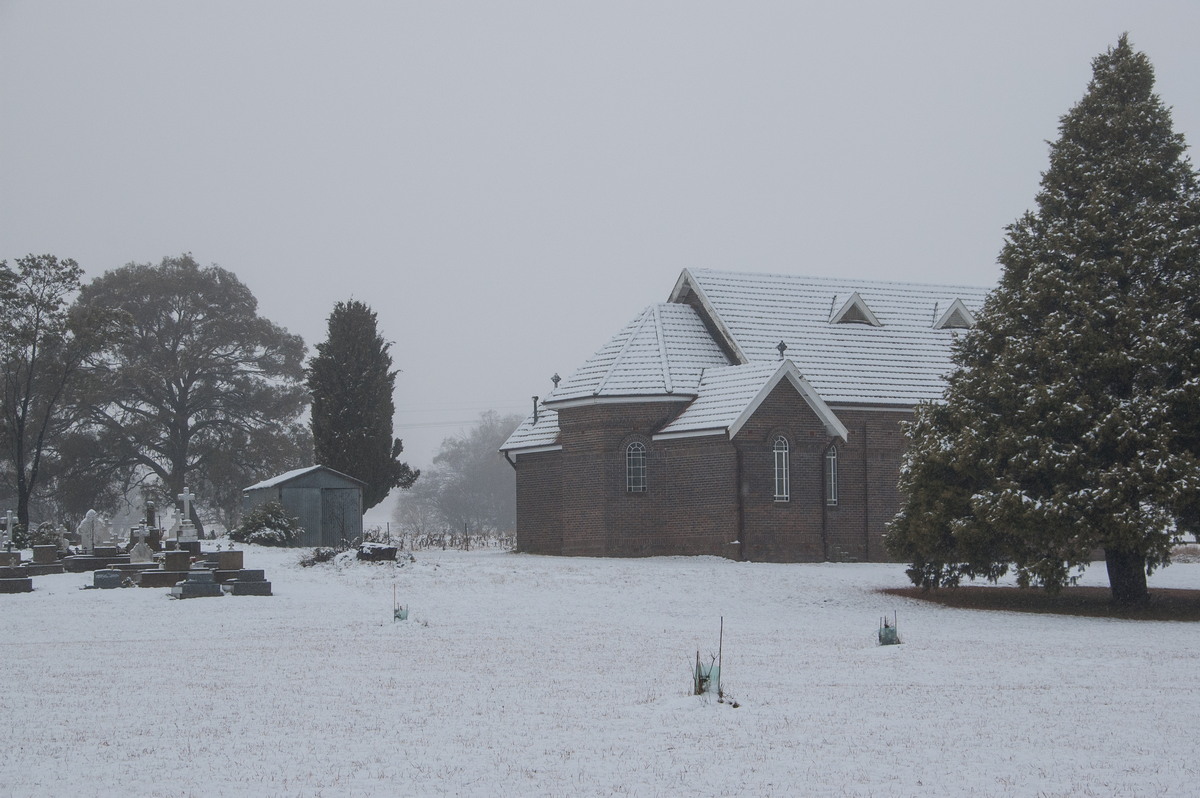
(1164, 605)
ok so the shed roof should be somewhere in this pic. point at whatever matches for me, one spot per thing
(289, 476)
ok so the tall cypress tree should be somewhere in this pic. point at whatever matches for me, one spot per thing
(351, 381)
(1068, 424)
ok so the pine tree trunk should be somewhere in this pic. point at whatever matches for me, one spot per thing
(1126, 576)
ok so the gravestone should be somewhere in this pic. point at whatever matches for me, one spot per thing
(226, 560)
(17, 584)
(45, 555)
(141, 553)
(8, 531)
(106, 578)
(249, 583)
(199, 584)
(89, 530)
(187, 530)
(169, 520)
(177, 560)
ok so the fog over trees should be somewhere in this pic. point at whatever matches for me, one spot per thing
(470, 486)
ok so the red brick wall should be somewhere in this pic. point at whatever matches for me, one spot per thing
(783, 531)
(539, 503)
(870, 468)
(575, 501)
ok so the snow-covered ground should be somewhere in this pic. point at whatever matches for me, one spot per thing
(520, 675)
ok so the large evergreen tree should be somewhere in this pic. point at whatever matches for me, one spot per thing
(351, 381)
(195, 374)
(1069, 422)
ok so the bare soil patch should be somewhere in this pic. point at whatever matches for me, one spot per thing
(1095, 602)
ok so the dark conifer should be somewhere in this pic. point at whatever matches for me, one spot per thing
(351, 381)
(1066, 427)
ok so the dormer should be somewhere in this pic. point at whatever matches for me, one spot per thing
(854, 311)
(956, 317)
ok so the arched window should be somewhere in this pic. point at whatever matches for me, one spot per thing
(635, 467)
(831, 491)
(782, 477)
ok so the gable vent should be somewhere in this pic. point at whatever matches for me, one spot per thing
(956, 317)
(855, 311)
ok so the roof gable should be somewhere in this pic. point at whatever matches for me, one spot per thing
(729, 397)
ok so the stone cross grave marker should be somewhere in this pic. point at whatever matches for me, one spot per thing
(141, 552)
(187, 530)
(8, 536)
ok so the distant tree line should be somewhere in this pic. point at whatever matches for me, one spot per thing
(470, 488)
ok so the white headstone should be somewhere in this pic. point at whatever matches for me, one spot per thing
(141, 552)
(88, 530)
(187, 530)
(186, 497)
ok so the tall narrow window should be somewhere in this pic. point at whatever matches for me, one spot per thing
(782, 479)
(635, 467)
(831, 476)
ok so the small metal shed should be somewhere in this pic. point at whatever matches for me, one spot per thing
(327, 502)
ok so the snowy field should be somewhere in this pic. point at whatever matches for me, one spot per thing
(519, 675)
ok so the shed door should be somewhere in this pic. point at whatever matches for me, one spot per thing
(340, 516)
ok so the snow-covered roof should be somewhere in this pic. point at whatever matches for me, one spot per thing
(539, 435)
(846, 342)
(288, 476)
(661, 353)
(728, 397)
(901, 361)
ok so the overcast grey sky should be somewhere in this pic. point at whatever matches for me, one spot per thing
(507, 183)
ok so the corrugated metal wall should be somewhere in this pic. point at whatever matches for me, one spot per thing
(305, 504)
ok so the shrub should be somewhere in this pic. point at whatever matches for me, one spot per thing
(319, 555)
(267, 525)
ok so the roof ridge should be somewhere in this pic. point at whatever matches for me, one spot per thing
(662, 351)
(617, 359)
(837, 280)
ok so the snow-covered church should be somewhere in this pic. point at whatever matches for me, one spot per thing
(752, 416)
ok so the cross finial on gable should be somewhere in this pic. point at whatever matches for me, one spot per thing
(782, 347)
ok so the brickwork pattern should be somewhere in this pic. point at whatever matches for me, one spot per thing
(710, 495)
